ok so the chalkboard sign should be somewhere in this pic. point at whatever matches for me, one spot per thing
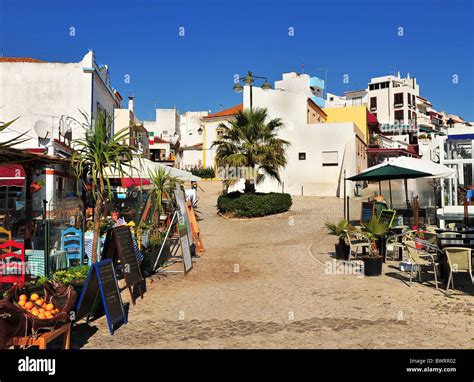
(102, 284)
(184, 241)
(386, 217)
(119, 246)
(366, 212)
(181, 201)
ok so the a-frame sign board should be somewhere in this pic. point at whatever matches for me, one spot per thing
(101, 284)
(119, 246)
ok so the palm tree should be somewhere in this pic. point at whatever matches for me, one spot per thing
(163, 186)
(97, 155)
(251, 142)
(11, 142)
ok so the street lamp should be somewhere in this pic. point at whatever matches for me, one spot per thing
(249, 79)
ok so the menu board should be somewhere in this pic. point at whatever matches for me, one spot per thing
(181, 201)
(101, 284)
(185, 247)
(386, 217)
(119, 246)
(367, 211)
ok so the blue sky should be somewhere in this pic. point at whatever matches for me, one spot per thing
(222, 38)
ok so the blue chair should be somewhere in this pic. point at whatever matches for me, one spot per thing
(72, 243)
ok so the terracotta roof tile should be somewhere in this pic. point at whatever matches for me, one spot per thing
(19, 59)
(227, 113)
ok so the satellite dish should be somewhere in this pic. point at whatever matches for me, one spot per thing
(42, 129)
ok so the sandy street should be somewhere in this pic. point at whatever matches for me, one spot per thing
(264, 283)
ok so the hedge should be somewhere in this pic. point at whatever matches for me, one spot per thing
(203, 172)
(253, 205)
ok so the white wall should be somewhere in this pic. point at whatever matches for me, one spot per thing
(308, 176)
(48, 90)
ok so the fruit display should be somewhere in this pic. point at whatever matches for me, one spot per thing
(37, 306)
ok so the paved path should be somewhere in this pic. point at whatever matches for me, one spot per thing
(264, 283)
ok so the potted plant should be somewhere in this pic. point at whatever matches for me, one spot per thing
(374, 231)
(419, 233)
(340, 229)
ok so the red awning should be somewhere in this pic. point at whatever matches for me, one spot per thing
(12, 175)
(372, 119)
(129, 182)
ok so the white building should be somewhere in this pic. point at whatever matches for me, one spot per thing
(49, 97)
(138, 135)
(320, 152)
(191, 139)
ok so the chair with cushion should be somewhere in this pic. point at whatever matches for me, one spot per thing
(420, 259)
(72, 244)
(459, 260)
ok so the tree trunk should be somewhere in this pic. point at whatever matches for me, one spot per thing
(249, 187)
(97, 216)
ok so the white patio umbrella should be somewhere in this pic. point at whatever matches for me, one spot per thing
(437, 171)
(141, 168)
(404, 168)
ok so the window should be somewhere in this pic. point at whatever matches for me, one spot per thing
(413, 100)
(220, 132)
(165, 132)
(409, 115)
(331, 98)
(409, 99)
(384, 85)
(398, 99)
(399, 116)
(376, 86)
(302, 156)
(371, 86)
(373, 103)
(329, 158)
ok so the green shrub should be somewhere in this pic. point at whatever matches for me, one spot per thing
(71, 275)
(203, 172)
(253, 205)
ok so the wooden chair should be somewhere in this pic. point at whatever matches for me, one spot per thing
(73, 244)
(8, 233)
(43, 339)
(12, 261)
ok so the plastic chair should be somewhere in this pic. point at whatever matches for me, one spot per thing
(357, 241)
(15, 270)
(459, 260)
(418, 261)
(72, 243)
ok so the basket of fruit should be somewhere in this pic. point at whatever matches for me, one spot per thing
(25, 315)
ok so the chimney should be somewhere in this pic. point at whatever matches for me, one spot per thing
(130, 103)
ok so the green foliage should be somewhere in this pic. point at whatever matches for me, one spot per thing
(163, 186)
(340, 228)
(203, 172)
(253, 205)
(373, 229)
(101, 153)
(252, 142)
(75, 274)
(15, 140)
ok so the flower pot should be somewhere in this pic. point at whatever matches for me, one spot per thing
(35, 187)
(342, 251)
(372, 265)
